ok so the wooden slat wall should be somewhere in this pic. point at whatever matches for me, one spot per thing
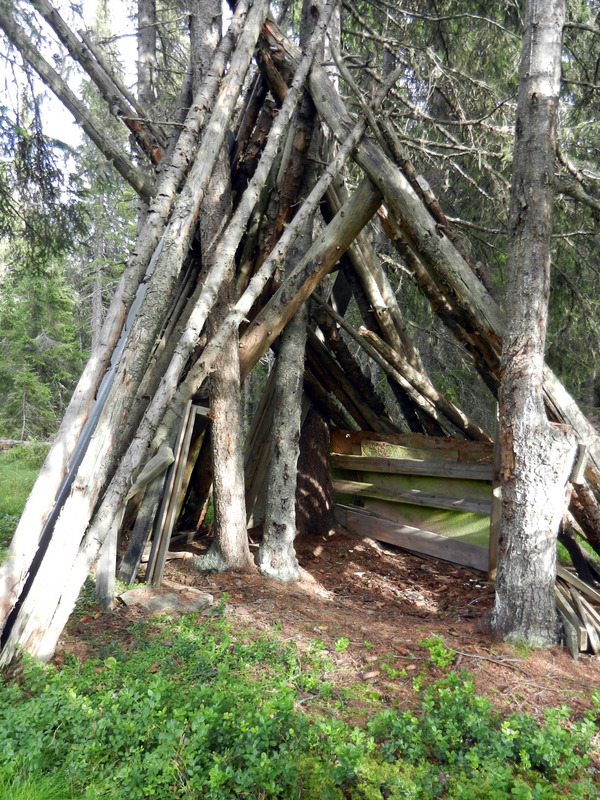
(440, 488)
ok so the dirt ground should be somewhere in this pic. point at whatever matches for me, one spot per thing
(384, 602)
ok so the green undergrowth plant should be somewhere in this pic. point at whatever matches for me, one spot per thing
(19, 469)
(44, 787)
(196, 709)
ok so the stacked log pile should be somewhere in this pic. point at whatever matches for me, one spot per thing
(137, 395)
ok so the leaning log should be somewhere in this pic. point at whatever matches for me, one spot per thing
(422, 384)
(100, 459)
(146, 135)
(62, 455)
(132, 174)
(446, 266)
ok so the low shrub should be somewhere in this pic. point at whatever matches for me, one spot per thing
(198, 710)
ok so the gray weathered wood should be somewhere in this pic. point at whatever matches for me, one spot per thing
(422, 384)
(397, 466)
(593, 639)
(571, 634)
(413, 539)
(416, 498)
(166, 520)
(141, 530)
(563, 603)
(575, 581)
(107, 564)
(157, 464)
(496, 515)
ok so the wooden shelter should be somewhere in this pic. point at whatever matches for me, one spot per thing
(138, 421)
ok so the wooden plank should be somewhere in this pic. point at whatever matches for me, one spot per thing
(571, 636)
(348, 442)
(361, 489)
(578, 473)
(413, 539)
(473, 528)
(454, 488)
(496, 515)
(591, 630)
(563, 603)
(397, 466)
(157, 464)
(141, 530)
(166, 520)
(577, 583)
(373, 449)
(593, 614)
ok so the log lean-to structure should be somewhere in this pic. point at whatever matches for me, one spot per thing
(132, 449)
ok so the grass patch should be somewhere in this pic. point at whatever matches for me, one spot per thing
(197, 709)
(44, 787)
(19, 468)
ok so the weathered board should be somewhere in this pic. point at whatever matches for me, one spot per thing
(414, 466)
(350, 442)
(461, 525)
(412, 496)
(413, 539)
(439, 485)
(400, 451)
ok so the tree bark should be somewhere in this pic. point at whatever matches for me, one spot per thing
(276, 556)
(536, 456)
(146, 41)
(229, 549)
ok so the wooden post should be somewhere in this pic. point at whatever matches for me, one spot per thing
(166, 520)
(496, 507)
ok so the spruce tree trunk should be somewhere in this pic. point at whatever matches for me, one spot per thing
(536, 456)
(277, 556)
(230, 548)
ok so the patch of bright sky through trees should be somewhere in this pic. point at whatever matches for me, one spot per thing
(58, 123)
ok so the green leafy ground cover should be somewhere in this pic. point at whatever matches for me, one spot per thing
(197, 709)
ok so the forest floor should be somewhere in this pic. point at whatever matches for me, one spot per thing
(370, 607)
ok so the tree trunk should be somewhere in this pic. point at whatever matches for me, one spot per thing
(536, 455)
(277, 557)
(229, 549)
(314, 491)
(146, 39)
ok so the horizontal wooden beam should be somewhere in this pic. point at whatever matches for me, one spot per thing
(413, 497)
(413, 539)
(398, 466)
(569, 577)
